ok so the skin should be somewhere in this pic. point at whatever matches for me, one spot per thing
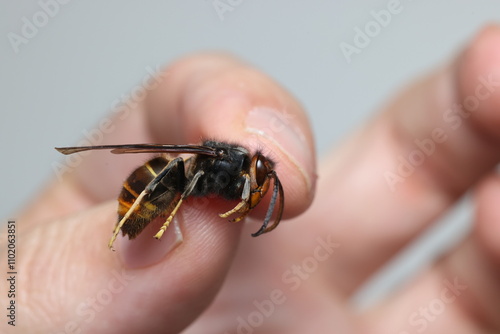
(218, 274)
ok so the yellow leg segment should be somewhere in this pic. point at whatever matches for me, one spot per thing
(237, 208)
(169, 219)
(124, 219)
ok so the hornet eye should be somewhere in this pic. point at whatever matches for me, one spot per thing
(261, 170)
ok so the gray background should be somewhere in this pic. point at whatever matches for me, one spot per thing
(90, 53)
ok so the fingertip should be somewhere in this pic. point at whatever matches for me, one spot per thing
(218, 97)
(191, 225)
(293, 151)
(145, 250)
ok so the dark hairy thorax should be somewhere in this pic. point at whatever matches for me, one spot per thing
(223, 174)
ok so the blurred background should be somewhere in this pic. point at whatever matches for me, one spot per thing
(66, 63)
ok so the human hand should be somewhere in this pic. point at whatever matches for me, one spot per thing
(367, 207)
(307, 268)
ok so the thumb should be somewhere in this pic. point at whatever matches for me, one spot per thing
(70, 282)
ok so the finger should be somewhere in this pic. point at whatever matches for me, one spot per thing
(71, 281)
(205, 96)
(399, 173)
(460, 294)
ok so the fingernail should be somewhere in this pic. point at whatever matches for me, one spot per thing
(279, 127)
(145, 250)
